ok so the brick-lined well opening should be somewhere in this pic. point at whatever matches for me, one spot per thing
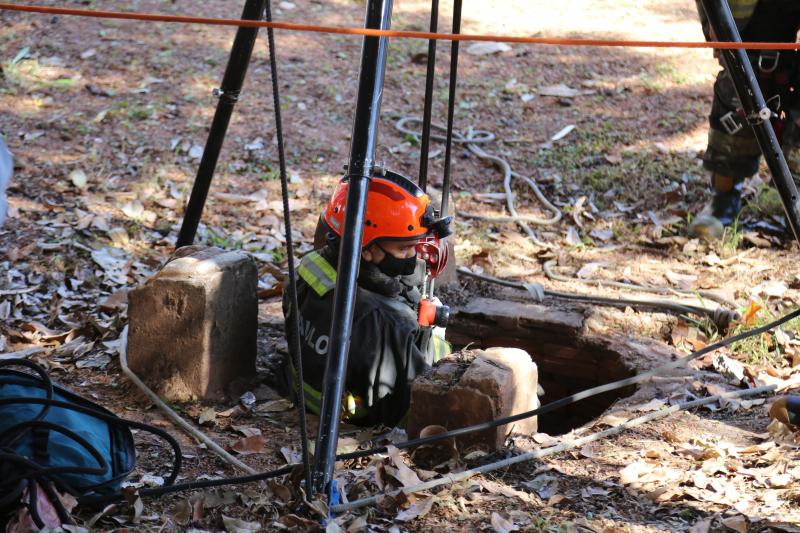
(569, 360)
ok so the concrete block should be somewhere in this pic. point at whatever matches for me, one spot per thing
(473, 387)
(193, 325)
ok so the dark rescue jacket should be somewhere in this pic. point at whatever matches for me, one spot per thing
(388, 347)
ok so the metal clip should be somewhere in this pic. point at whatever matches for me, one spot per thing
(729, 123)
(771, 63)
(232, 96)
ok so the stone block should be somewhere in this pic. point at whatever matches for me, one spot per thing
(193, 326)
(473, 387)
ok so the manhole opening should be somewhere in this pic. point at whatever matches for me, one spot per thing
(568, 360)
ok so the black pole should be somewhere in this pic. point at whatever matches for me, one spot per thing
(228, 93)
(723, 28)
(359, 172)
(426, 112)
(451, 104)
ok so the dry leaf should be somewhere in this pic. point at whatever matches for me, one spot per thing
(235, 525)
(417, 510)
(281, 491)
(358, 525)
(701, 526)
(612, 420)
(494, 487)
(736, 523)
(749, 316)
(482, 49)
(632, 472)
(208, 417)
(562, 91)
(682, 281)
(402, 472)
(502, 525)
(250, 445)
(247, 431)
(653, 405)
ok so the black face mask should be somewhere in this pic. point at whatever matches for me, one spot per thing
(393, 267)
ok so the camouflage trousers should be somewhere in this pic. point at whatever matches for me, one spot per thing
(732, 147)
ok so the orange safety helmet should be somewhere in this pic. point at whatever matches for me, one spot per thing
(396, 209)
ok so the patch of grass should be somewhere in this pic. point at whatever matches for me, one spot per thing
(278, 255)
(224, 242)
(731, 239)
(271, 174)
(767, 202)
(764, 349)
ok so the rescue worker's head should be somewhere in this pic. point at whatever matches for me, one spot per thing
(397, 216)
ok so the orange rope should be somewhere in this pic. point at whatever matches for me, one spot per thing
(152, 17)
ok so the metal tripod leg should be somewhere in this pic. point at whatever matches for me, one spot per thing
(723, 28)
(362, 153)
(228, 94)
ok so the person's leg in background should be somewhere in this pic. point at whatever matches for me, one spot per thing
(733, 154)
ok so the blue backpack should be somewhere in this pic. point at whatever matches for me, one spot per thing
(52, 438)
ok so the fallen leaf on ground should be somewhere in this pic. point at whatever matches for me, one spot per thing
(494, 487)
(589, 269)
(235, 525)
(401, 472)
(247, 431)
(208, 417)
(561, 91)
(701, 526)
(653, 405)
(632, 472)
(250, 445)
(483, 49)
(502, 525)
(749, 316)
(417, 510)
(736, 523)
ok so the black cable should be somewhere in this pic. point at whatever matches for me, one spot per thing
(428, 105)
(451, 103)
(287, 224)
(194, 485)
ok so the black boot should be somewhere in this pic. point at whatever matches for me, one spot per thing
(723, 211)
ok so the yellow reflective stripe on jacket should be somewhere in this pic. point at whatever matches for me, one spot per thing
(440, 347)
(742, 9)
(318, 273)
(312, 398)
(351, 405)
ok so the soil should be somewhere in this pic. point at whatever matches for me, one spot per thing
(107, 120)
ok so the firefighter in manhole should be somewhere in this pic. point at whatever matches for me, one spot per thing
(397, 331)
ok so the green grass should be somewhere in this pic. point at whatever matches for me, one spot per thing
(764, 349)
(731, 239)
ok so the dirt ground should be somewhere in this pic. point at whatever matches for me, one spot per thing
(107, 120)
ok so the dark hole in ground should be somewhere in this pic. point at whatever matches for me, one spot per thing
(568, 360)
